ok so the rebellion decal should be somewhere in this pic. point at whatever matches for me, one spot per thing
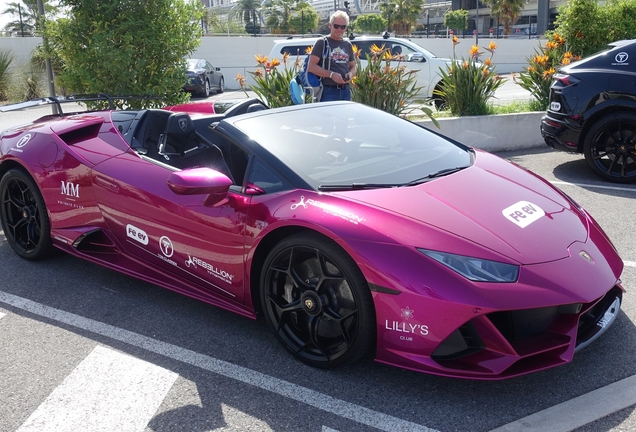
(329, 209)
(137, 234)
(195, 262)
(22, 142)
(523, 213)
(621, 59)
(70, 189)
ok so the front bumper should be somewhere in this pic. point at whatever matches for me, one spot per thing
(505, 344)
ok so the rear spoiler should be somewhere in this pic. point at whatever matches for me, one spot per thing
(58, 101)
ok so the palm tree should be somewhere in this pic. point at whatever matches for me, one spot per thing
(507, 10)
(402, 15)
(247, 10)
(280, 12)
(28, 11)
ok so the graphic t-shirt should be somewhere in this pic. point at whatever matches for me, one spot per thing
(340, 55)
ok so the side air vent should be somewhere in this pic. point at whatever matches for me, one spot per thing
(78, 135)
(95, 242)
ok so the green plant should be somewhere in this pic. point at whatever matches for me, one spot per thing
(379, 85)
(6, 58)
(272, 82)
(467, 85)
(28, 85)
(124, 48)
(537, 78)
(456, 19)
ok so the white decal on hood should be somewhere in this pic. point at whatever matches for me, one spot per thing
(523, 213)
(329, 209)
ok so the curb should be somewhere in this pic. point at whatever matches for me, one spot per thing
(500, 132)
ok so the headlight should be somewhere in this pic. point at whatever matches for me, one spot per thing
(476, 269)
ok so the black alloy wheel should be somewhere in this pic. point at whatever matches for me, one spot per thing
(317, 301)
(610, 147)
(25, 221)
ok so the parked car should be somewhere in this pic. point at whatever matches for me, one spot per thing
(202, 77)
(426, 63)
(350, 230)
(593, 111)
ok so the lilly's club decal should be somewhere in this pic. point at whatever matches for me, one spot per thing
(407, 329)
(523, 213)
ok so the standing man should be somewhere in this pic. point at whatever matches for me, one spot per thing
(339, 67)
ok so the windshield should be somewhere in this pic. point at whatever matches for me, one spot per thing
(192, 64)
(346, 145)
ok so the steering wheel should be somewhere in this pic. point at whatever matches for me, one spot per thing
(331, 148)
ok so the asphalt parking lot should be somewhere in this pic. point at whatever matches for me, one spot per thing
(77, 339)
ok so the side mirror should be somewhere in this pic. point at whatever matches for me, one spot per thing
(417, 57)
(217, 69)
(200, 181)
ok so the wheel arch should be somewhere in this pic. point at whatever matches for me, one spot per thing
(268, 242)
(598, 114)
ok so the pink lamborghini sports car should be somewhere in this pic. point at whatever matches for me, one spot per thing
(351, 231)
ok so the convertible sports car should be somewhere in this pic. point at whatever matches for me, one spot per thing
(350, 230)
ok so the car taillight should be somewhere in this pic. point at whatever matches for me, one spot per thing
(564, 79)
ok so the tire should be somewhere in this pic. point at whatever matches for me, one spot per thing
(317, 301)
(221, 85)
(610, 147)
(25, 221)
(206, 90)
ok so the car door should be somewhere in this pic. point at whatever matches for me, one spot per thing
(178, 234)
(415, 60)
(215, 76)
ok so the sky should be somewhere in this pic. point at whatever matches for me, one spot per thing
(4, 19)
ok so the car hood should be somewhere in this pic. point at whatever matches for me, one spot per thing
(494, 204)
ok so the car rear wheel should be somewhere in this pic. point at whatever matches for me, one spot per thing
(610, 147)
(317, 301)
(25, 221)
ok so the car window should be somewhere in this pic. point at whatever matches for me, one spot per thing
(295, 49)
(330, 144)
(266, 179)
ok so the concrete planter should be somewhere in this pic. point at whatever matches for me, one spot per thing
(493, 133)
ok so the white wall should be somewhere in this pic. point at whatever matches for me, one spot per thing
(237, 54)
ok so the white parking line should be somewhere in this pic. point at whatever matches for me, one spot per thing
(307, 396)
(630, 263)
(107, 391)
(579, 411)
(620, 188)
(2, 314)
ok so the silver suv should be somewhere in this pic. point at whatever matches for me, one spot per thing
(425, 62)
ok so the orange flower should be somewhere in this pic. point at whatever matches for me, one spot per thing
(376, 49)
(548, 73)
(565, 61)
(241, 80)
(551, 45)
(487, 62)
(285, 57)
(308, 50)
(455, 40)
(474, 51)
(530, 68)
(465, 64)
(275, 62)
(261, 60)
(492, 46)
(567, 55)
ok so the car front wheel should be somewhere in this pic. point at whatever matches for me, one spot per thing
(222, 85)
(317, 301)
(25, 221)
(206, 91)
(610, 147)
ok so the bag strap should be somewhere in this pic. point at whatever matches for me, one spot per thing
(325, 53)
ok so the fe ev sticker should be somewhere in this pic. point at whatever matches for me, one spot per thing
(523, 213)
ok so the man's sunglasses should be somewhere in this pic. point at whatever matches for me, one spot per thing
(339, 26)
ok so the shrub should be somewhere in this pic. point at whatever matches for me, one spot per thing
(272, 83)
(467, 85)
(379, 85)
(6, 58)
(541, 67)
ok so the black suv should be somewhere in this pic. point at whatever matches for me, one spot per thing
(593, 111)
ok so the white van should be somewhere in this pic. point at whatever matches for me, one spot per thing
(425, 62)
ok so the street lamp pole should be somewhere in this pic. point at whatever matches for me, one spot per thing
(477, 25)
